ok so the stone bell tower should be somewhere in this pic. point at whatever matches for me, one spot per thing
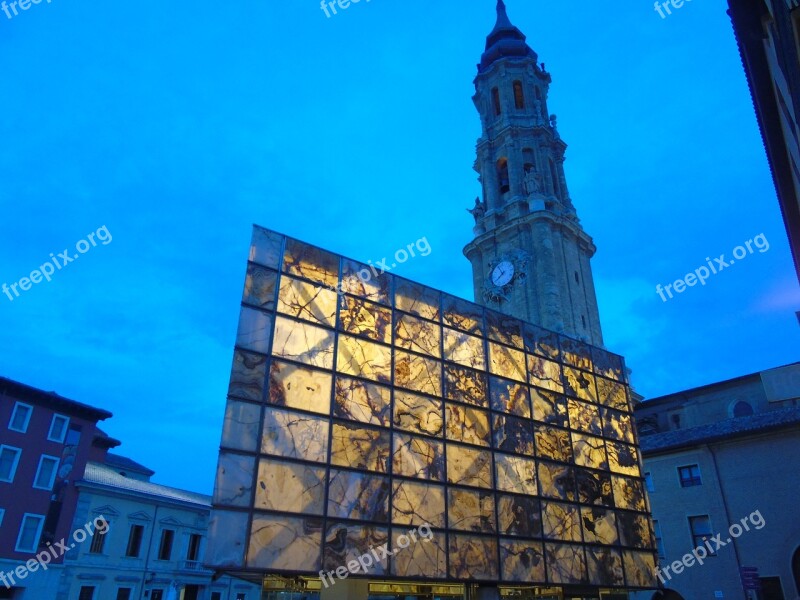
(530, 256)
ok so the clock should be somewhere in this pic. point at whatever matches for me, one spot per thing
(503, 273)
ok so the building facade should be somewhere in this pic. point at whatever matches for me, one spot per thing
(721, 461)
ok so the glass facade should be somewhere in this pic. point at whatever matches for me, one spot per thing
(358, 411)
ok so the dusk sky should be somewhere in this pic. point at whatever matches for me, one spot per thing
(177, 125)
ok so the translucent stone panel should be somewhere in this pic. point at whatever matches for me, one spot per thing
(465, 385)
(634, 530)
(512, 434)
(416, 299)
(294, 386)
(227, 533)
(288, 487)
(612, 394)
(292, 435)
(557, 481)
(561, 522)
(618, 425)
(503, 328)
(234, 483)
(565, 563)
(466, 424)
(418, 457)
(473, 557)
(418, 414)
(259, 287)
(248, 374)
(418, 373)
(426, 558)
(416, 503)
(541, 342)
(357, 400)
(576, 353)
(307, 301)
(589, 451)
(607, 364)
(468, 466)
(522, 561)
(265, 248)
(311, 263)
(599, 526)
(359, 317)
(418, 335)
(623, 459)
(471, 510)
(553, 443)
(584, 417)
(362, 281)
(285, 543)
(345, 542)
(240, 428)
(462, 315)
(594, 488)
(519, 516)
(629, 493)
(510, 397)
(507, 362)
(544, 373)
(360, 447)
(639, 568)
(303, 343)
(358, 496)
(579, 384)
(464, 349)
(515, 474)
(605, 566)
(364, 359)
(550, 408)
(255, 328)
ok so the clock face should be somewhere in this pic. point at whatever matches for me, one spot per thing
(503, 273)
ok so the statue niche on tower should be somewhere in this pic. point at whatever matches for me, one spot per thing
(532, 182)
(478, 211)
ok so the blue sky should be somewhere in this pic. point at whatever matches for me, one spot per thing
(179, 124)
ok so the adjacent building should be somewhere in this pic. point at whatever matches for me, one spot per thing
(721, 460)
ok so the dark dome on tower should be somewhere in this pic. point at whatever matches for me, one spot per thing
(505, 41)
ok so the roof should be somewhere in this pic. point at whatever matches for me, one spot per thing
(16, 389)
(105, 476)
(118, 461)
(504, 41)
(721, 431)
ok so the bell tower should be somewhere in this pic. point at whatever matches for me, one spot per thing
(530, 256)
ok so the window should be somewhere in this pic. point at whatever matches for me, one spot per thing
(240, 596)
(124, 593)
(502, 175)
(193, 553)
(99, 541)
(701, 531)
(690, 476)
(742, 409)
(73, 435)
(135, 541)
(20, 417)
(58, 429)
(29, 532)
(648, 482)
(216, 595)
(659, 540)
(496, 100)
(165, 548)
(2, 514)
(46, 472)
(9, 459)
(519, 96)
(87, 592)
(554, 177)
(156, 594)
(583, 321)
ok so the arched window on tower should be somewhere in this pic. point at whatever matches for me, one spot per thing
(554, 177)
(519, 95)
(538, 93)
(528, 159)
(496, 100)
(502, 175)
